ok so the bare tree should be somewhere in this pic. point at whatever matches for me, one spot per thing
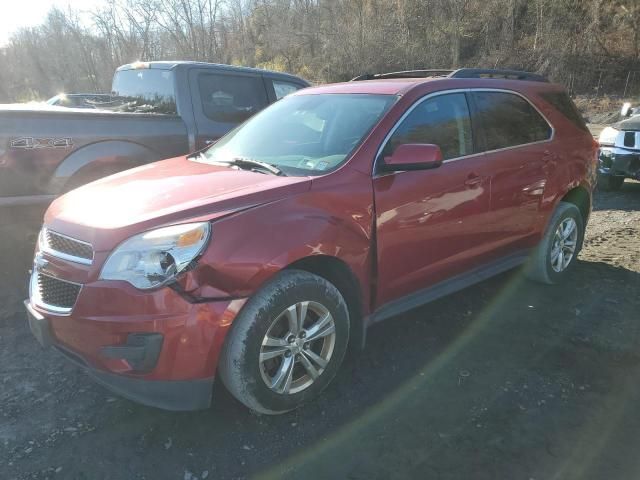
(573, 41)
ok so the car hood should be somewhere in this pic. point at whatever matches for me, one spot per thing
(161, 193)
(631, 123)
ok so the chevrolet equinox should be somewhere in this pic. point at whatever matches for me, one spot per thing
(264, 257)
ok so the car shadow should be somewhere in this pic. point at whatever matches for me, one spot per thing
(19, 229)
(506, 379)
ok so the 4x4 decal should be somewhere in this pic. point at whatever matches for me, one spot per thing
(31, 143)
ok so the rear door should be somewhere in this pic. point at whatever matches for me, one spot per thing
(222, 100)
(429, 222)
(517, 143)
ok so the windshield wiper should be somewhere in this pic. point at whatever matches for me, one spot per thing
(250, 162)
(242, 162)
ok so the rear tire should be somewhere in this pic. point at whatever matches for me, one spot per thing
(279, 354)
(610, 183)
(559, 247)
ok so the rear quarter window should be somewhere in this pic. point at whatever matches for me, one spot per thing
(563, 103)
(509, 120)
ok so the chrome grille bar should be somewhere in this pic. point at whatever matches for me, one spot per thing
(65, 247)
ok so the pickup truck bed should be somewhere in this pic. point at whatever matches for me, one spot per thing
(51, 149)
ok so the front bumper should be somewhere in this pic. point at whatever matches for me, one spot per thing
(151, 347)
(619, 162)
(180, 395)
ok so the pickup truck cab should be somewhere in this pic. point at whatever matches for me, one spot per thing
(263, 258)
(156, 110)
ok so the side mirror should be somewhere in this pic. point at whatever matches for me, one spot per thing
(413, 156)
(626, 109)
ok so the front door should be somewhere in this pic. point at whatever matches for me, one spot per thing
(429, 223)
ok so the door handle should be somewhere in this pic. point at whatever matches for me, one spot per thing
(473, 180)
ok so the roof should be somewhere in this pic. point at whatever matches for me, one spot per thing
(403, 86)
(400, 86)
(397, 86)
(494, 73)
(173, 64)
(631, 123)
(399, 83)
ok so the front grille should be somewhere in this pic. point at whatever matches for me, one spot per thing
(58, 243)
(54, 292)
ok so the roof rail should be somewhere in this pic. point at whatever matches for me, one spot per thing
(404, 74)
(494, 73)
(460, 73)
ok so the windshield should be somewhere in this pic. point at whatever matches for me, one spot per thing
(143, 90)
(304, 134)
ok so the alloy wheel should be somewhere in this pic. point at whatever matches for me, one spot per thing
(564, 245)
(297, 347)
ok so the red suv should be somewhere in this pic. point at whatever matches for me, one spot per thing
(264, 257)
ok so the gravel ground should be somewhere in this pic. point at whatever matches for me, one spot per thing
(507, 379)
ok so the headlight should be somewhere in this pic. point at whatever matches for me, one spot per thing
(608, 136)
(154, 258)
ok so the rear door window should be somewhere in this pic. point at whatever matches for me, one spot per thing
(231, 98)
(443, 120)
(508, 120)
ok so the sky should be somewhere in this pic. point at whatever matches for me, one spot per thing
(15, 14)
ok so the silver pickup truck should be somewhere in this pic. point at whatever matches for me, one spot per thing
(619, 156)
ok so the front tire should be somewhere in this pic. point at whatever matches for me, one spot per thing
(559, 247)
(286, 344)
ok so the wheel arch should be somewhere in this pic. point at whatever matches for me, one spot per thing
(337, 272)
(580, 197)
(108, 156)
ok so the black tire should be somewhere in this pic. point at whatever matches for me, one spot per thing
(539, 267)
(610, 183)
(239, 365)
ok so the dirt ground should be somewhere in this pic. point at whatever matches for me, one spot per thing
(505, 380)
